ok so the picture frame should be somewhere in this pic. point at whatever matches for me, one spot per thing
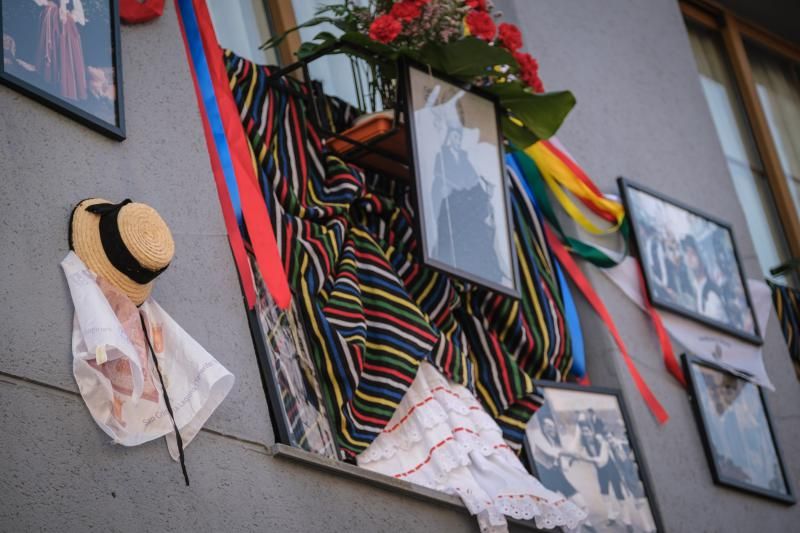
(69, 60)
(690, 262)
(565, 445)
(460, 188)
(297, 410)
(737, 431)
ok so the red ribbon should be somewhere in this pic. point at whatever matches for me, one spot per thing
(136, 12)
(234, 235)
(254, 210)
(594, 300)
(670, 361)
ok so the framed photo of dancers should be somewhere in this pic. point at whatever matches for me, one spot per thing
(580, 444)
(737, 431)
(66, 55)
(461, 189)
(690, 263)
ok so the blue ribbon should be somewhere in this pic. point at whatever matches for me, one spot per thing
(189, 18)
(570, 310)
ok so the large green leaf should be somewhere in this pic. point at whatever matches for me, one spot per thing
(466, 58)
(541, 113)
(519, 136)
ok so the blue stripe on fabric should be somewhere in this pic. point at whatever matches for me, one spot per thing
(206, 86)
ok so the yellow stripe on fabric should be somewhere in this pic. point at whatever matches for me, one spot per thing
(530, 282)
(253, 82)
(392, 298)
(364, 396)
(556, 174)
(487, 398)
(512, 422)
(393, 351)
(427, 290)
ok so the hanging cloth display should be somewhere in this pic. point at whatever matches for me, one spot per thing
(139, 11)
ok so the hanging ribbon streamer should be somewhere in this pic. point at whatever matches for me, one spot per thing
(228, 140)
(137, 12)
(594, 300)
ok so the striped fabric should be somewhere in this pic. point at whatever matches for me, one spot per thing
(787, 306)
(371, 310)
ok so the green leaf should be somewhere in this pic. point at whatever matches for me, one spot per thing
(541, 113)
(519, 136)
(466, 58)
(278, 39)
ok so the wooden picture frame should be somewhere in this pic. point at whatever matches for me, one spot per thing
(477, 207)
(669, 236)
(60, 60)
(565, 438)
(739, 456)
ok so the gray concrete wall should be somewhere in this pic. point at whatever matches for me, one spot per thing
(641, 113)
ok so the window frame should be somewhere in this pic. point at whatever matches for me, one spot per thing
(734, 31)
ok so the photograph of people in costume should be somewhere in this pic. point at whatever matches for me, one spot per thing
(737, 430)
(63, 48)
(690, 263)
(461, 181)
(579, 446)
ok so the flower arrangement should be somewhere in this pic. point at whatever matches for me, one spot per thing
(461, 38)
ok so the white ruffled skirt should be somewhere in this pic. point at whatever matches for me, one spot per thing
(441, 438)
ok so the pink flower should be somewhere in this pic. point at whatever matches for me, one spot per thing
(385, 29)
(529, 71)
(407, 10)
(510, 37)
(481, 25)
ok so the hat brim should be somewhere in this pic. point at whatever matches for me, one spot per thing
(85, 240)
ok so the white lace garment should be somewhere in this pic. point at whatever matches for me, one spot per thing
(441, 438)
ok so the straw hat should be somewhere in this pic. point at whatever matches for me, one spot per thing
(128, 243)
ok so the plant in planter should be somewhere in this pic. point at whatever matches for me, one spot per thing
(457, 37)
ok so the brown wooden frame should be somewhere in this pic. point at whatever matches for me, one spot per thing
(734, 31)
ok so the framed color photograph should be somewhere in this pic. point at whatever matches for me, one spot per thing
(66, 54)
(690, 262)
(461, 187)
(737, 431)
(580, 444)
(298, 413)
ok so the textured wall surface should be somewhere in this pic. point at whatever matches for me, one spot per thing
(641, 113)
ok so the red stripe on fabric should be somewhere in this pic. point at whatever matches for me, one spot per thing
(254, 209)
(670, 361)
(594, 300)
(504, 368)
(427, 460)
(366, 418)
(406, 326)
(387, 370)
(234, 234)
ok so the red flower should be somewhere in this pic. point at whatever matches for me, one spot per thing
(407, 10)
(510, 37)
(480, 5)
(385, 29)
(481, 25)
(529, 71)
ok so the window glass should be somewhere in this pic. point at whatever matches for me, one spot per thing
(778, 88)
(744, 163)
(243, 26)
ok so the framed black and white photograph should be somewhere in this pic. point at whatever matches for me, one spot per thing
(737, 431)
(462, 195)
(690, 263)
(298, 412)
(66, 55)
(580, 444)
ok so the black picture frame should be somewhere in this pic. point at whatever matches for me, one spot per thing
(405, 94)
(642, 488)
(289, 382)
(724, 472)
(115, 131)
(626, 188)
